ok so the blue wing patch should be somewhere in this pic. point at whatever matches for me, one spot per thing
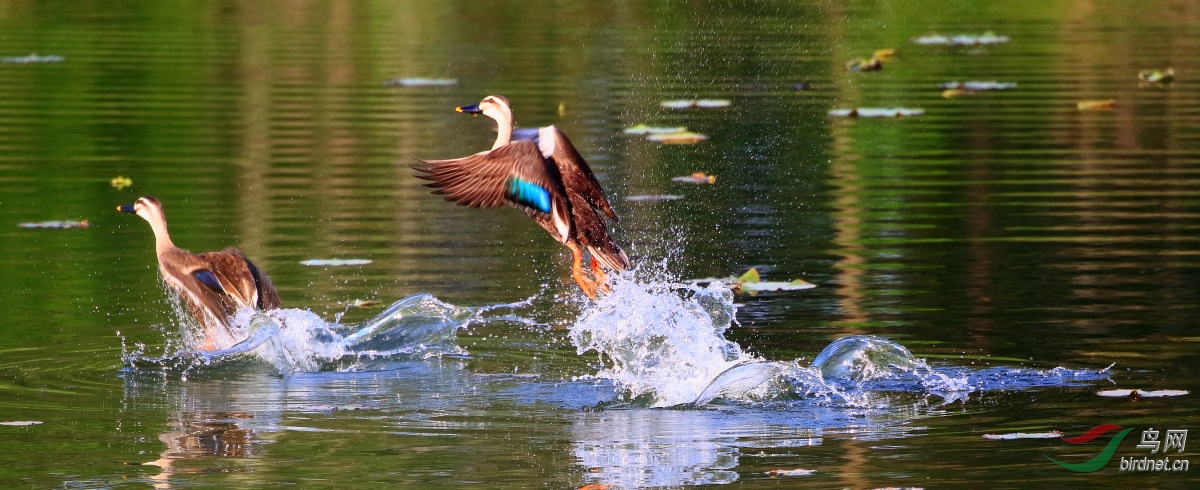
(528, 194)
(209, 279)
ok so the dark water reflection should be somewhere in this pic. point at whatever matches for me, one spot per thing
(1002, 230)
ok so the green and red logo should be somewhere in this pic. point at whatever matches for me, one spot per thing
(1101, 459)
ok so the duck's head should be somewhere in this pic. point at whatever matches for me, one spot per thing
(147, 207)
(493, 106)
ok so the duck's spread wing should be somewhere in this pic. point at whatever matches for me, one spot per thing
(577, 177)
(515, 174)
(232, 271)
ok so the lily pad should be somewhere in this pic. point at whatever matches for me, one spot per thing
(701, 103)
(421, 82)
(21, 423)
(57, 224)
(33, 58)
(877, 112)
(978, 85)
(696, 178)
(654, 198)
(120, 182)
(1054, 434)
(644, 129)
(1093, 105)
(680, 138)
(335, 262)
(1141, 393)
(988, 37)
(795, 472)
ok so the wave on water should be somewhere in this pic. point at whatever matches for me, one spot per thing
(292, 340)
(663, 344)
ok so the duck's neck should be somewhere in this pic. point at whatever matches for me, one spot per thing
(504, 125)
(162, 240)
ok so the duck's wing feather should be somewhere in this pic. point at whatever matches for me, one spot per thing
(514, 174)
(577, 176)
(232, 270)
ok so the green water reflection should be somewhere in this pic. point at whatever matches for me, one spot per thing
(1005, 228)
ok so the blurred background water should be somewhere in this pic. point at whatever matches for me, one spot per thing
(997, 236)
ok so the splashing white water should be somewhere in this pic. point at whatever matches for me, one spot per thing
(292, 340)
(661, 340)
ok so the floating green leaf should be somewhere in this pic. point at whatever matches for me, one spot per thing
(335, 262)
(696, 178)
(654, 198)
(1092, 105)
(644, 129)
(56, 224)
(795, 472)
(988, 37)
(1141, 393)
(1156, 77)
(1054, 434)
(421, 82)
(750, 283)
(701, 103)
(33, 58)
(978, 85)
(877, 112)
(680, 138)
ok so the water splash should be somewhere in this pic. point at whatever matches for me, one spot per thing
(663, 344)
(290, 340)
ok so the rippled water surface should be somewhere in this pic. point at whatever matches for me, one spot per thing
(983, 266)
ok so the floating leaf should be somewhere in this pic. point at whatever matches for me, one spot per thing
(33, 58)
(335, 262)
(954, 93)
(362, 303)
(680, 138)
(877, 112)
(885, 54)
(750, 276)
(1092, 105)
(1140, 393)
(1157, 77)
(750, 283)
(1024, 435)
(701, 103)
(864, 64)
(421, 82)
(988, 37)
(654, 198)
(696, 178)
(978, 85)
(57, 224)
(644, 129)
(753, 288)
(21, 423)
(795, 472)
(120, 182)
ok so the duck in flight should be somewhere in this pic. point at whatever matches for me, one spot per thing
(214, 285)
(547, 179)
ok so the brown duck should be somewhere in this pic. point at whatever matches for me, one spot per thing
(214, 285)
(547, 179)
